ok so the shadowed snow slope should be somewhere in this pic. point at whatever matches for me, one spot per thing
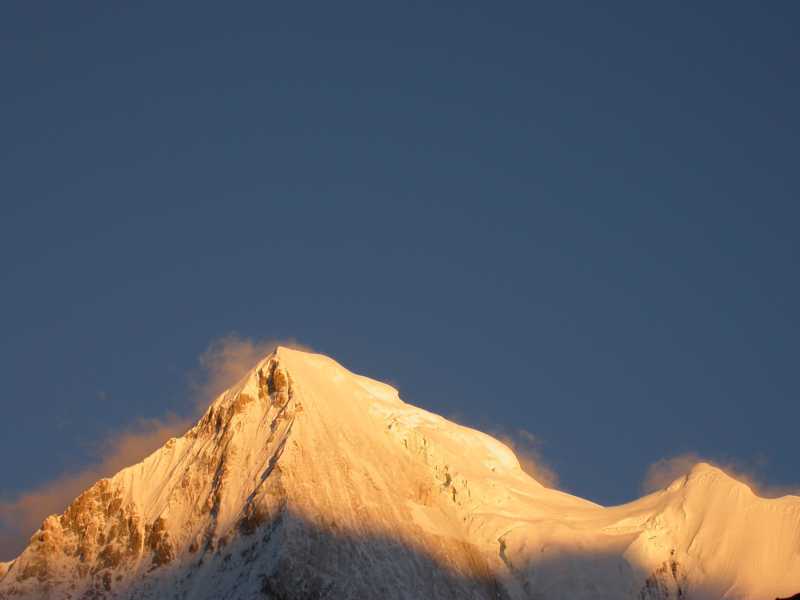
(307, 481)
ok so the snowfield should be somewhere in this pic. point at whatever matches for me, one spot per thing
(307, 481)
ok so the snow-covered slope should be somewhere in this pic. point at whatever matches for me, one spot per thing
(308, 481)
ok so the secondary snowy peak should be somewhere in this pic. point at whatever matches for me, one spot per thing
(704, 475)
(720, 526)
(305, 480)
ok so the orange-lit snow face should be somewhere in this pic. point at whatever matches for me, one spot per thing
(322, 473)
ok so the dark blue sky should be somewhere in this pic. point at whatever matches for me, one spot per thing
(576, 220)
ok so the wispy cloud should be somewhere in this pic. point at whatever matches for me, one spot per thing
(666, 470)
(527, 447)
(223, 363)
(21, 516)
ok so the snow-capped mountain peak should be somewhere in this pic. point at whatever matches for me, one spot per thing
(305, 480)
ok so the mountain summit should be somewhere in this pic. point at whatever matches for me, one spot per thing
(306, 481)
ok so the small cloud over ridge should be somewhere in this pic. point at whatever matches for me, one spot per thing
(527, 448)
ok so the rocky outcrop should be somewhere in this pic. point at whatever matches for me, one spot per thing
(93, 541)
(667, 582)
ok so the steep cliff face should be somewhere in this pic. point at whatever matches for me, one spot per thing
(307, 481)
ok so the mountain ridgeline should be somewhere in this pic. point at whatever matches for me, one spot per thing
(305, 481)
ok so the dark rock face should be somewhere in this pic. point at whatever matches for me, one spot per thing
(667, 582)
(157, 541)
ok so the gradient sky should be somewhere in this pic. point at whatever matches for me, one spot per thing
(575, 220)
